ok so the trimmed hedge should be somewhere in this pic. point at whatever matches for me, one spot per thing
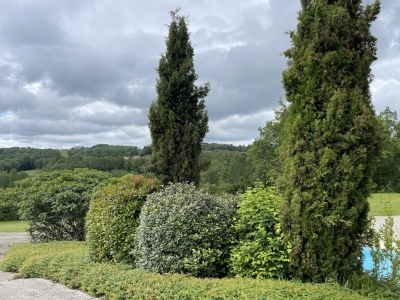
(67, 263)
(114, 216)
(183, 230)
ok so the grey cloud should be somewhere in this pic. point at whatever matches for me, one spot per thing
(245, 79)
(83, 72)
(26, 127)
(16, 100)
(238, 129)
(22, 31)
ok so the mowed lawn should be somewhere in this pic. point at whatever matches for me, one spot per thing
(14, 226)
(383, 204)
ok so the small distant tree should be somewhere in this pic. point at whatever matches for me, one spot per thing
(331, 139)
(178, 119)
(147, 150)
(387, 174)
(263, 163)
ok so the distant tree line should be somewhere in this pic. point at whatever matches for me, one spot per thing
(225, 168)
(103, 150)
(228, 147)
(23, 159)
(230, 172)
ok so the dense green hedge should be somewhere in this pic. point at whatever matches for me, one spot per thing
(56, 202)
(8, 205)
(113, 217)
(67, 263)
(183, 230)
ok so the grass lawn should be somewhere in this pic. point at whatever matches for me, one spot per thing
(379, 201)
(14, 226)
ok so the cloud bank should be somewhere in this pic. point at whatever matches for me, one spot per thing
(83, 72)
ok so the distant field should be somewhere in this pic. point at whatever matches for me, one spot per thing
(380, 201)
(64, 153)
(14, 226)
(32, 172)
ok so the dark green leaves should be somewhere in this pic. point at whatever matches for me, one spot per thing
(56, 203)
(331, 138)
(177, 118)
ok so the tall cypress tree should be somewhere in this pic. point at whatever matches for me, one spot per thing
(331, 140)
(178, 119)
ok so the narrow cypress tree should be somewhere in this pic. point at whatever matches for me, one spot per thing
(331, 140)
(178, 119)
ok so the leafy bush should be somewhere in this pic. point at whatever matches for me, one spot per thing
(114, 216)
(386, 259)
(184, 230)
(261, 252)
(56, 202)
(67, 263)
(8, 205)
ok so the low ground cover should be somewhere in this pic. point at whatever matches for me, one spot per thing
(66, 262)
(14, 226)
(379, 201)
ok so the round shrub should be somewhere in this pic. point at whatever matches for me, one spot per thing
(183, 230)
(56, 202)
(261, 251)
(114, 216)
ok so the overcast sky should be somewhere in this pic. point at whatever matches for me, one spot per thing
(80, 73)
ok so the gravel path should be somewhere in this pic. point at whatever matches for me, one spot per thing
(41, 289)
(33, 288)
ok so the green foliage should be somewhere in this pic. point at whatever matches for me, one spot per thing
(119, 173)
(261, 252)
(23, 159)
(225, 172)
(7, 179)
(8, 205)
(114, 216)
(137, 166)
(103, 150)
(178, 118)
(263, 161)
(385, 253)
(331, 138)
(228, 147)
(184, 230)
(66, 262)
(387, 174)
(56, 202)
(147, 150)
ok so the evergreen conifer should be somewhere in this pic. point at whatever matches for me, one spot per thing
(178, 119)
(331, 140)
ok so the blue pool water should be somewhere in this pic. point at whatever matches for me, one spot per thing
(367, 264)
